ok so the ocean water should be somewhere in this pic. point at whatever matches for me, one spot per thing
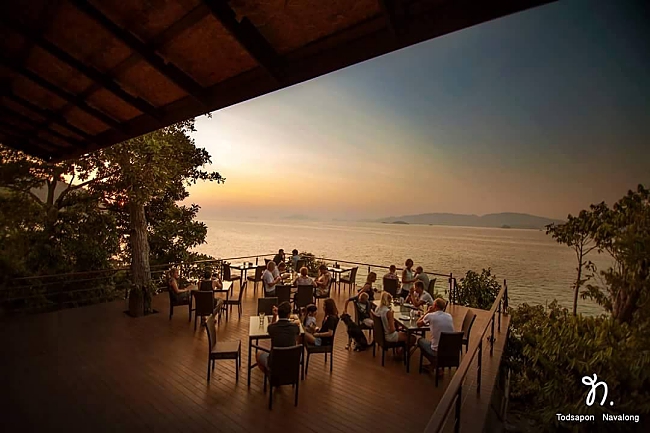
(536, 268)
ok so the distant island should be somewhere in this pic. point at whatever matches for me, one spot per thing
(299, 218)
(497, 220)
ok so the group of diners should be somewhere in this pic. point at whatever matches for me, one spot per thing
(284, 328)
(275, 275)
(181, 296)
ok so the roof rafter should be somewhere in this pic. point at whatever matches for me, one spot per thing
(64, 94)
(39, 126)
(24, 137)
(171, 72)
(248, 36)
(102, 79)
(25, 146)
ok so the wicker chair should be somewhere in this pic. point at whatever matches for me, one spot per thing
(229, 303)
(391, 286)
(303, 297)
(380, 339)
(326, 294)
(265, 305)
(259, 270)
(350, 280)
(203, 304)
(322, 349)
(468, 321)
(284, 369)
(283, 293)
(224, 350)
(448, 354)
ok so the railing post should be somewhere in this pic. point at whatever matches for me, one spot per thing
(499, 308)
(505, 296)
(451, 288)
(492, 338)
(459, 402)
(480, 366)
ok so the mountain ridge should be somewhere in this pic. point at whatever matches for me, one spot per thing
(497, 220)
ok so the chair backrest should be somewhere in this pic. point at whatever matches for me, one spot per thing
(468, 321)
(205, 286)
(265, 305)
(378, 334)
(304, 296)
(449, 348)
(203, 302)
(390, 286)
(299, 264)
(432, 286)
(266, 261)
(242, 288)
(284, 364)
(259, 270)
(211, 326)
(353, 275)
(226, 271)
(283, 293)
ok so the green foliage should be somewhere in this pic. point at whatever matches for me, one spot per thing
(549, 351)
(478, 291)
(577, 233)
(312, 263)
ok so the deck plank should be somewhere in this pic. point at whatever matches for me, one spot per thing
(94, 368)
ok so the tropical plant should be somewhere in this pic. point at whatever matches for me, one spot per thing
(577, 233)
(477, 291)
(549, 351)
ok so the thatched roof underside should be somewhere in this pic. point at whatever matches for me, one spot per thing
(79, 75)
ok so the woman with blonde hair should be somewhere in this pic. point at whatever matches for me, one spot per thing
(388, 319)
(303, 279)
(179, 296)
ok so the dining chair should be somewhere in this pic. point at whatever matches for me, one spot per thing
(326, 294)
(228, 303)
(468, 321)
(284, 369)
(357, 320)
(450, 346)
(283, 293)
(175, 302)
(203, 304)
(432, 286)
(228, 276)
(259, 270)
(221, 350)
(390, 286)
(303, 297)
(350, 280)
(380, 339)
(265, 305)
(322, 349)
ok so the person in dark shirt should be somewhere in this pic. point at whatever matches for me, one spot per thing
(279, 257)
(324, 336)
(282, 331)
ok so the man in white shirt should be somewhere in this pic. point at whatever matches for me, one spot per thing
(420, 275)
(438, 321)
(270, 278)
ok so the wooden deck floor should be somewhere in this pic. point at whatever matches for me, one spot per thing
(95, 369)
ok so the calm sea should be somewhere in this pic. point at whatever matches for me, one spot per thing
(537, 269)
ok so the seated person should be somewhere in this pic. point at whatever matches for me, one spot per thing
(438, 321)
(294, 260)
(420, 275)
(367, 287)
(279, 257)
(392, 274)
(179, 296)
(418, 296)
(270, 279)
(303, 279)
(363, 307)
(324, 336)
(309, 321)
(391, 334)
(282, 270)
(323, 281)
(208, 283)
(283, 333)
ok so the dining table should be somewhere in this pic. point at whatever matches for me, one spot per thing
(243, 269)
(338, 271)
(258, 330)
(407, 322)
(226, 288)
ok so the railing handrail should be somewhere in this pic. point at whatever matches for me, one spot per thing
(439, 417)
(437, 274)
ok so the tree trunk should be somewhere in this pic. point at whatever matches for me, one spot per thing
(139, 242)
(577, 288)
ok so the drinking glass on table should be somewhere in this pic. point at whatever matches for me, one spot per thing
(262, 314)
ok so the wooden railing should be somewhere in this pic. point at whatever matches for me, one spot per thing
(452, 398)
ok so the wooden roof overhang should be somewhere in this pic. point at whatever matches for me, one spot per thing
(79, 75)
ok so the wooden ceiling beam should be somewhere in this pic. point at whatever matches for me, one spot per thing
(39, 126)
(18, 144)
(248, 36)
(170, 71)
(49, 115)
(23, 137)
(63, 94)
(98, 77)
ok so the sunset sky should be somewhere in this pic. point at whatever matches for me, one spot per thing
(542, 112)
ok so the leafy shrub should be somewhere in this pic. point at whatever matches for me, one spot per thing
(312, 263)
(478, 291)
(549, 352)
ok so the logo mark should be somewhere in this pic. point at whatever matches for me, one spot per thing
(591, 396)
